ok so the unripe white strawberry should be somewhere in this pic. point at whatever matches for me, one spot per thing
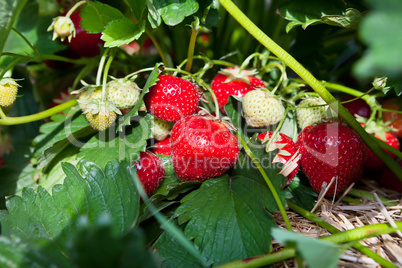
(90, 94)
(62, 27)
(123, 93)
(161, 129)
(8, 92)
(309, 116)
(261, 108)
(101, 115)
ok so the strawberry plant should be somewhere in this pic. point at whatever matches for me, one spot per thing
(197, 133)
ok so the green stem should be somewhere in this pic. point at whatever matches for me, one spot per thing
(316, 85)
(101, 67)
(25, 39)
(105, 73)
(9, 67)
(268, 181)
(320, 222)
(158, 48)
(191, 46)
(39, 116)
(370, 196)
(356, 234)
(74, 8)
(2, 114)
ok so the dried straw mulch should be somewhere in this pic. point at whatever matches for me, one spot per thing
(345, 216)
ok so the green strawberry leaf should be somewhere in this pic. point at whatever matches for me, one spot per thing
(96, 245)
(34, 30)
(310, 12)
(137, 7)
(54, 174)
(172, 253)
(97, 16)
(9, 11)
(17, 174)
(122, 31)
(108, 145)
(64, 130)
(314, 252)
(88, 245)
(237, 233)
(302, 196)
(14, 253)
(171, 12)
(37, 215)
(152, 79)
(380, 30)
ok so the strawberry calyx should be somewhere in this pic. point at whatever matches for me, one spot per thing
(224, 120)
(375, 127)
(235, 73)
(96, 105)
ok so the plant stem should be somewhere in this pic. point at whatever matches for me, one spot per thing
(268, 181)
(356, 234)
(101, 67)
(74, 8)
(194, 32)
(370, 196)
(105, 73)
(39, 116)
(320, 222)
(2, 114)
(316, 85)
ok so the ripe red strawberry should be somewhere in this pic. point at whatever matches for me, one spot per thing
(359, 106)
(150, 171)
(171, 98)
(380, 131)
(331, 149)
(202, 148)
(390, 180)
(84, 44)
(162, 147)
(393, 118)
(230, 81)
(286, 155)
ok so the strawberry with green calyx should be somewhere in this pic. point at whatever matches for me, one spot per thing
(8, 92)
(150, 171)
(162, 147)
(101, 115)
(381, 131)
(233, 81)
(202, 148)
(171, 98)
(331, 150)
(123, 93)
(310, 111)
(287, 153)
(160, 129)
(87, 94)
(262, 108)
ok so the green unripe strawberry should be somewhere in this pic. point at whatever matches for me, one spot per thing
(261, 108)
(8, 92)
(314, 111)
(161, 129)
(100, 115)
(123, 93)
(62, 27)
(86, 96)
